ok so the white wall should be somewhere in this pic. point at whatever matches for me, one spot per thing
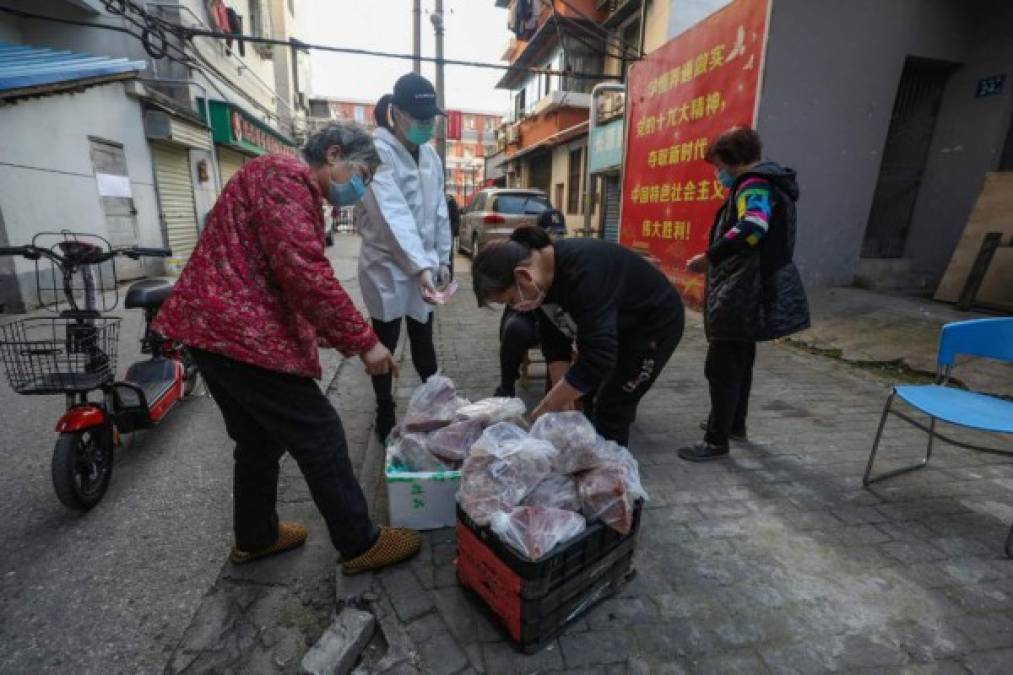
(47, 181)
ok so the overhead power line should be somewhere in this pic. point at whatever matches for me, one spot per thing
(154, 37)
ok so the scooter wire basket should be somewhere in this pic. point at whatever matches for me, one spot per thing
(59, 355)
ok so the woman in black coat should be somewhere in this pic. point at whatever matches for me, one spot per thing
(754, 291)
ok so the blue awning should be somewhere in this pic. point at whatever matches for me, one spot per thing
(25, 67)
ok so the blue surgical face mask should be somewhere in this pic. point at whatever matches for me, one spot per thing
(347, 193)
(725, 178)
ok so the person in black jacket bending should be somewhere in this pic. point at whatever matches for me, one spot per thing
(754, 291)
(624, 315)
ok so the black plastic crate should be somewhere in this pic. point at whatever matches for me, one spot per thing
(563, 562)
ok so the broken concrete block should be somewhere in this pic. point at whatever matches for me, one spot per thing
(338, 649)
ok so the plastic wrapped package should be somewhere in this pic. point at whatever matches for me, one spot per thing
(499, 439)
(497, 477)
(632, 471)
(493, 410)
(452, 443)
(432, 405)
(536, 530)
(604, 495)
(555, 491)
(410, 453)
(580, 447)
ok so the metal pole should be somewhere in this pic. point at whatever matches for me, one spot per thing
(643, 27)
(417, 37)
(441, 124)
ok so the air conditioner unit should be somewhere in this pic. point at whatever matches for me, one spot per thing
(513, 133)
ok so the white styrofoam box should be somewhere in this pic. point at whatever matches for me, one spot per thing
(422, 500)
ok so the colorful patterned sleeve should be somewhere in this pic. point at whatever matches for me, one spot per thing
(754, 206)
(287, 228)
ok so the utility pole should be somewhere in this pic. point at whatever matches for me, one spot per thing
(441, 125)
(417, 37)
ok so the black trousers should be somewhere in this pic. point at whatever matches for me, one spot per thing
(518, 332)
(267, 413)
(729, 370)
(420, 337)
(613, 408)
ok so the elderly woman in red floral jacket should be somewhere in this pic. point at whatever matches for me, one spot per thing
(253, 303)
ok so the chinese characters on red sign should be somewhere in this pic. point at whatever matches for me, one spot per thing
(682, 96)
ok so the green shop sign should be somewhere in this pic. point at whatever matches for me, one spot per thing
(232, 127)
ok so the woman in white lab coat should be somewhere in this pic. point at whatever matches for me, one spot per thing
(405, 231)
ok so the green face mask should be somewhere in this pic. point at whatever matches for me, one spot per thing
(417, 132)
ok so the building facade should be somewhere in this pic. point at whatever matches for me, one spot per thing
(471, 137)
(544, 141)
(187, 115)
(894, 115)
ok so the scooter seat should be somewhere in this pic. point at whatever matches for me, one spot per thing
(147, 294)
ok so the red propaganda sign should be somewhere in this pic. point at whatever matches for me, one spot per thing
(682, 96)
(453, 125)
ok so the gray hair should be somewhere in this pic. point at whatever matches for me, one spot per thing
(356, 145)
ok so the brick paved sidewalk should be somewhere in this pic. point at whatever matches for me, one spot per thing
(775, 560)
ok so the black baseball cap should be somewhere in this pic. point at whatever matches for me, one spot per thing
(416, 96)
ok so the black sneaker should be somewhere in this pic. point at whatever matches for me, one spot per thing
(702, 451)
(384, 422)
(739, 436)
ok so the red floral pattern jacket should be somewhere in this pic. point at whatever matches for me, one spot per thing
(258, 287)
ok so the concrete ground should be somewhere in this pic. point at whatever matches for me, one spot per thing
(895, 330)
(774, 560)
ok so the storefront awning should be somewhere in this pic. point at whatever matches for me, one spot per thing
(234, 128)
(34, 71)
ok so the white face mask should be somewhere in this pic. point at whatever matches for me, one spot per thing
(528, 304)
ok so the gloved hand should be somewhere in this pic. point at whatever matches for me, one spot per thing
(425, 280)
(443, 277)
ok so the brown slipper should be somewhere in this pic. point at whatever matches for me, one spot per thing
(290, 535)
(392, 546)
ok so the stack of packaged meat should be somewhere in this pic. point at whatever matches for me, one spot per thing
(539, 489)
(439, 426)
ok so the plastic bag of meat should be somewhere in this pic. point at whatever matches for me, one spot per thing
(580, 447)
(555, 491)
(453, 443)
(499, 439)
(604, 495)
(496, 477)
(493, 410)
(432, 405)
(410, 453)
(536, 530)
(632, 471)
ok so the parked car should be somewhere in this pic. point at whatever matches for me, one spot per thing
(495, 213)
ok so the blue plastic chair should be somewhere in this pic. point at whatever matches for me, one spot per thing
(989, 338)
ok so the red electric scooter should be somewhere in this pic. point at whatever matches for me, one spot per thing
(74, 354)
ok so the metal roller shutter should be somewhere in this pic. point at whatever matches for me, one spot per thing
(175, 192)
(610, 226)
(229, 163)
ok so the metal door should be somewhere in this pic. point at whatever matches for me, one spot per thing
(610, 209)
(907, 145)
(175, 194)
(110, 164)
